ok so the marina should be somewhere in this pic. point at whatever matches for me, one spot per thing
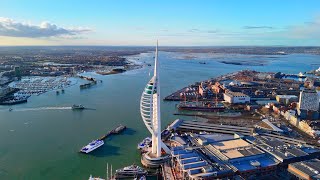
(39, 85)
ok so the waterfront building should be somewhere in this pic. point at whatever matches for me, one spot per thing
(150, 113)
(309, 104)
(286, 99)
(309, 100)
(235, 97)
(218, 88)
(205, 90)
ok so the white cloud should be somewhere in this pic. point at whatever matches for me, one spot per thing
(306, 30)
(11, 28)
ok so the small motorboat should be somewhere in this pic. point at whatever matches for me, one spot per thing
(77, 107)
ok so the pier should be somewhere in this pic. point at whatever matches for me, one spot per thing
(116, 130)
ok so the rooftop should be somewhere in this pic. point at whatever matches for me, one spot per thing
(309, 167)
(287, 96)
(237, 94)
(231, 144)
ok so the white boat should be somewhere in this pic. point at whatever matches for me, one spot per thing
(95, 178)
(92, 146)
(75, 107)
(301, 75)
(132, 170)
(144, 143)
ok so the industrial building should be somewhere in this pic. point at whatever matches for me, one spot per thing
(210, 151)
(193, 165)
(236, 97)
(309, 169)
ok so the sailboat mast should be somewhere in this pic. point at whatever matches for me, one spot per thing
(107, 171)
(111, 172)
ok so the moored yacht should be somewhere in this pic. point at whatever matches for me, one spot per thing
(144, 143)
(131, 171)
(95, 178)
(92, 146)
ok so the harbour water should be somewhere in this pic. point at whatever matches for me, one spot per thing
(41, 139)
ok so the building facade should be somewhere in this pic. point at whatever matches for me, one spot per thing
(236, 97)
(309, 100)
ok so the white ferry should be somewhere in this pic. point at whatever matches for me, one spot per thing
(92, 146)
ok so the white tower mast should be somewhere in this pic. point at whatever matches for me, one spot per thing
(150, 109)
(156, 143)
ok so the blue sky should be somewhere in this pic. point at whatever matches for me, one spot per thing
(141, 22)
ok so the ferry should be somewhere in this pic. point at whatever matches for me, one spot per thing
(301, 75)
(75, 106)
(92, 146)
(132, 170)
(144, 143)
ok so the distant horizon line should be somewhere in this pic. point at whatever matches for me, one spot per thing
(154, 46)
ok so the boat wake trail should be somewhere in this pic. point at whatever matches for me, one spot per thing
(43, 108)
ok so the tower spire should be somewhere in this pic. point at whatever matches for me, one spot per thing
(156, 61)
(150, 109)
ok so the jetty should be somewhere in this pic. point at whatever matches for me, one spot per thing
(114, 131)
(87, 78)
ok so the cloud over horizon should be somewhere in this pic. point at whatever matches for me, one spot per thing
(258, 27)
(11, 28)
(307, 30)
